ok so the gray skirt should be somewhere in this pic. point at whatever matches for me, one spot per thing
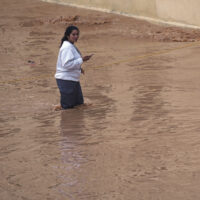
(70, 93)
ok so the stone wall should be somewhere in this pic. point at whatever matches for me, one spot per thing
(180, 12)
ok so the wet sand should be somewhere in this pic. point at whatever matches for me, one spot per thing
(140, 137)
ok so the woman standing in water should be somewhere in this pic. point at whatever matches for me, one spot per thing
(69, 69)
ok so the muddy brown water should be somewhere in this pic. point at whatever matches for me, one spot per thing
(137, 139)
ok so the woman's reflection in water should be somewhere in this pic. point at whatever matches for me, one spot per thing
(72, 128)
(72, 155)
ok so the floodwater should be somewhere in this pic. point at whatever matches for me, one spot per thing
(138, 138)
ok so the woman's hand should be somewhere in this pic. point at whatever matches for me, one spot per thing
(86, 58)
(82, 71)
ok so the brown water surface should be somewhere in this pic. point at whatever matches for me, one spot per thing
(140, 137)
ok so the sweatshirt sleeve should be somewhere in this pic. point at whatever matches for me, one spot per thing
(68, 60)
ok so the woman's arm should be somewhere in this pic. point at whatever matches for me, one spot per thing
(68, 60)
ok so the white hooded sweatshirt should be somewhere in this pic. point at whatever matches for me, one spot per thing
(69, 63)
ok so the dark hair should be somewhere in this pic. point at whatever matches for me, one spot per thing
(68, 31)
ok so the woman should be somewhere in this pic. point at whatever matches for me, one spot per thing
(69, 69)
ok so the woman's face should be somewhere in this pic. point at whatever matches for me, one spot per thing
(73, 37)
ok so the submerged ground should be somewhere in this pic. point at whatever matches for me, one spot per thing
(139, 138)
